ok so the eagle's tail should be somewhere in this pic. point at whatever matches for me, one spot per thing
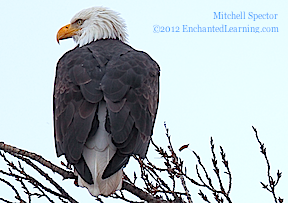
(97, 153)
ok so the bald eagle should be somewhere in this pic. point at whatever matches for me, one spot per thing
(105, 100)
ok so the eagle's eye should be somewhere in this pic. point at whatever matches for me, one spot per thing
(79, 22)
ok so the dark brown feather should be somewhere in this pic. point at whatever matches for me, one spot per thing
(126, 79)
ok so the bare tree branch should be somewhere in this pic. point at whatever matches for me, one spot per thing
(216, 193)
(19, 153)
(272, 184)
(161, 183)
(14, 150)
(140, 193)
(13, 188)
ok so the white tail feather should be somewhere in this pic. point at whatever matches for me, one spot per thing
(97, 153)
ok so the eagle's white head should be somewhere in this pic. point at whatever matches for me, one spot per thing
(92, 24)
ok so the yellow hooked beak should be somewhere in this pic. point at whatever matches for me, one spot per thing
(66, 31)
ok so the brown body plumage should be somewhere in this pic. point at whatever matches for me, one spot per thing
(105, 103)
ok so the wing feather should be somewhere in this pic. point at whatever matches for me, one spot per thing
(126, 79)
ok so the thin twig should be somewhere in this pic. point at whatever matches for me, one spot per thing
(8, 148)
(47, 177)
(272, 183)
(18, 197)
(140, 193)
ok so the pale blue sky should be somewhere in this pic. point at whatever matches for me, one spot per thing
(212, 84)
